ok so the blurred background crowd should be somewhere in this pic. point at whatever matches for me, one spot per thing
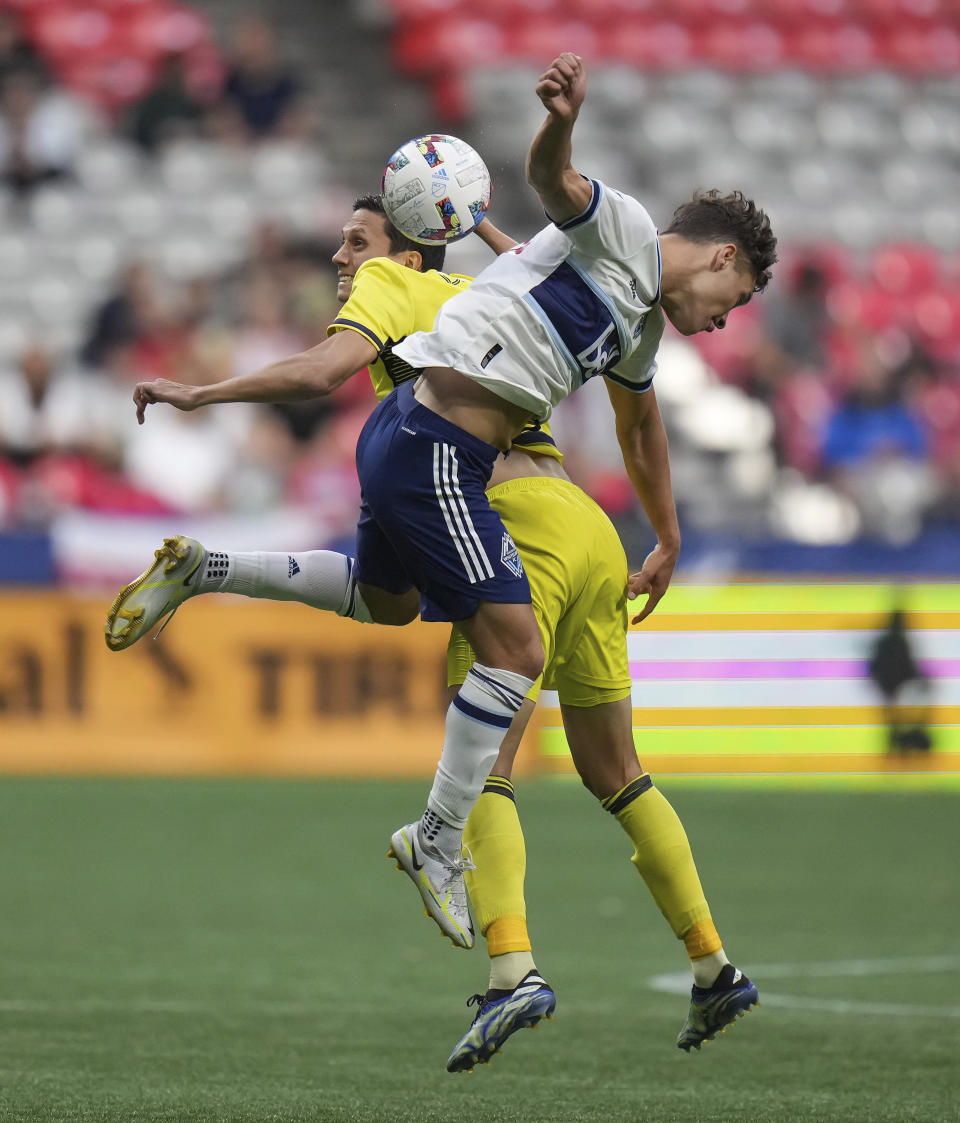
(173, 179)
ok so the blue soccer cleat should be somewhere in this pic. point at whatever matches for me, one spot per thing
(501, 1013)
(712, 1009)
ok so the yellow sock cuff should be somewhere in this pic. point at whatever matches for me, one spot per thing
(507, 933)
(499, 785)
(619, 800)
(702, 940)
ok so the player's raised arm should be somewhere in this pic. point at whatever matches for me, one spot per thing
(562, 190)
(310, 374)
(494, 237)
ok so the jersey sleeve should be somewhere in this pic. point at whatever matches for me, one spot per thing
(638, 378)
(616, 225)
(379, 307)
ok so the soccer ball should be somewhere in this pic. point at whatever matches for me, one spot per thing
(435, 189)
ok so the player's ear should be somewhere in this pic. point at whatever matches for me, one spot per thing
(724, 254)
(413, 259)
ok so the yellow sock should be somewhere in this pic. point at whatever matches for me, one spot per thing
(495, 841)
(665, 862)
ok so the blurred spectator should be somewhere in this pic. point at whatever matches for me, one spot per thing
(16, 52)
(58, 431)
(796, 315)
(41, 130)
(132, 316)
(168, 110)
(43, 408)
(262, 90)
(874, 450)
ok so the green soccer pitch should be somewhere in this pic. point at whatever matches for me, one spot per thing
(242, 950)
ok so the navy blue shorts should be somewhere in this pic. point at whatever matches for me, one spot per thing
(425, 520)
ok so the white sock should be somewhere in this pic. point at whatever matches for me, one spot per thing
(706, 969)
(320, 578)
(508, 969)
(477, 720)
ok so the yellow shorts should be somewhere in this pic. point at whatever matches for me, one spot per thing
(578, 580)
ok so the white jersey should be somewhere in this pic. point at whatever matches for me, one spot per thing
(580, 298)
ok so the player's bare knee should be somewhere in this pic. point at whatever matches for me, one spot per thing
(392, 609)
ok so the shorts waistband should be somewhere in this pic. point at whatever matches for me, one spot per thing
(532, 483)
(414, 412)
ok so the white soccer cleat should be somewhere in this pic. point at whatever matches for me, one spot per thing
(439, 881)
(157, 592)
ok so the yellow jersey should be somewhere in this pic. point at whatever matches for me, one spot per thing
(387, 303)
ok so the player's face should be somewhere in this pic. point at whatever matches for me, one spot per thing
(365, 236)
(709, 296)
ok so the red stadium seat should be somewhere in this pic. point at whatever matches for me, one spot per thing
(731, 45)
(933, 318)
(833, 47)
(921, 49)
(430, 48)
(171, 29)
(865, 304)
(657, 46)
(540, 39)
(905, 269)
(66, 31)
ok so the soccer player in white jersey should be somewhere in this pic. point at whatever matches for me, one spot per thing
(492, 692)
(586, 296)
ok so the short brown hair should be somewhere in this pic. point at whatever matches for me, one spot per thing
(431, 256)
(712, 217)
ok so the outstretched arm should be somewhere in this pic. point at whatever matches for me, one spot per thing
(311, 374)
(562, 190)
(643, 442)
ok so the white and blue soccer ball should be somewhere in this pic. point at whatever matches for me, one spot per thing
(435, 188)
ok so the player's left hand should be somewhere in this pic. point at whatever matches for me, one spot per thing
(163, 390)
(652, 580)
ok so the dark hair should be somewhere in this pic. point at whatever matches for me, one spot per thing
(432, 256)
(712, 217)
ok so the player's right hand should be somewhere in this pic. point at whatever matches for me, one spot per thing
(563, 86)
(163, 390)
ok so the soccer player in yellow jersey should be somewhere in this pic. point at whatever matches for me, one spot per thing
(579, 580)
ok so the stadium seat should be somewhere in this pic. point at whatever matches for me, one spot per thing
(832, 47)
(107, 166)
(539, 37)
(659, 46)
(772, 127)
(921, 50)
(930, 126)
(933, 319)
(865, 304)
(742, 46)
(904, 270)
(65, 31)
(168, 29)
(451, 46)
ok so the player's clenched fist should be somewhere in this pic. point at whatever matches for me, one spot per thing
(564, 85)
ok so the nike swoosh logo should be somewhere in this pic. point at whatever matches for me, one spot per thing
(193, 572)
(413, 855)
